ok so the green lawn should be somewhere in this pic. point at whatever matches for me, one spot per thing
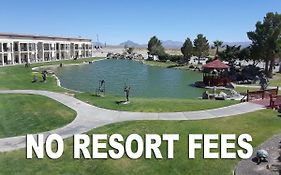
(82, 60)
(160, 64)
(23, 114)
(276, 81)
(244, 89)
(19, 77)
(152, 105)
(251, 123)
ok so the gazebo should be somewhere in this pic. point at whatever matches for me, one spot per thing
(215, 73)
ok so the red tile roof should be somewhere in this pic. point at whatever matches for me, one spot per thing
(215, 64)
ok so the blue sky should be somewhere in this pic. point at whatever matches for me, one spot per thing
(119, 20)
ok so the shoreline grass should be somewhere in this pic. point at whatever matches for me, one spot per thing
(19, 77)
(152, 105)
(160, 64)
(276, 81)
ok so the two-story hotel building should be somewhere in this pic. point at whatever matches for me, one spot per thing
(20, 49)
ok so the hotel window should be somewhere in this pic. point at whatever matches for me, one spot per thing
(46, 46)
(16, 47)
(62, 47)
(5, 47)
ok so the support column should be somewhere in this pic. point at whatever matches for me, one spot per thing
(43, 52)
(9, 57)
(50, 51)
(36, 53)
(69, 51)
(2, 56)
(59, 51)
(28, 59)
(12, 53)
(79, 50)
(92, 50)
(19, 53)
(68, 54)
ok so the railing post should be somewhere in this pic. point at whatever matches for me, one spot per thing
(247, 95)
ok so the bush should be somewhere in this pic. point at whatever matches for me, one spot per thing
(173, 58)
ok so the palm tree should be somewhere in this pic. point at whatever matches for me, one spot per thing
(218, 44)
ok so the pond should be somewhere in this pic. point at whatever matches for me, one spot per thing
(145, 81)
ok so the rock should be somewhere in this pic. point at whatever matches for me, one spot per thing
(262, 153)
(268, 166)
(205, 95)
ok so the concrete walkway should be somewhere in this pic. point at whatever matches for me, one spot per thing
(272, 167)
(89, 117)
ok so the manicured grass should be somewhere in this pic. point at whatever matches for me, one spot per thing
(78, 61)
(23, 114)
(152, 105)
(160, 64)
(19, 77)
(276, 81)
(260, 125)
(244, 89)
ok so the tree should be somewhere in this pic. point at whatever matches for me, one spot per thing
(155, 47)
(279, 53)
(218, 44)
(201, 47)
(256, 54)
(187, 50)
(245, 54)
(230, 54)
(265, 40)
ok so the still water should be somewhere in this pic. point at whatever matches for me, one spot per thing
(145, 81)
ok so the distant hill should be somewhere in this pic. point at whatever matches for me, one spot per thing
(167, 44)
(170, 44)
(130, 43)
(243, 44)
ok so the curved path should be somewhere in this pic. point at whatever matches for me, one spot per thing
(272, 167)
(89, 117)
